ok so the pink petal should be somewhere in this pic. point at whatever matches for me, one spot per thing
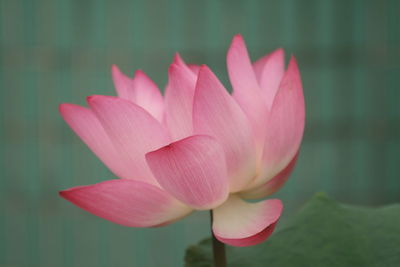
(147, 95)
(86, 125)
(127, 202)
(215, 113)
(194, 68)
(240, 70)
(246, 89)
(179, 101)
(239, 223)
(271, 186)
(141, 90)
(285, 125)
(123, 84)
(133, 131)
(180, 62)
(193, 170)
(269, 71)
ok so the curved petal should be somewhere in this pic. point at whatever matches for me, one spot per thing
(86, 125)
(258, 67)
(178, 60)
(246, 90)
(269, 71)
(285, 125)
(133, 131)
(123, 84)
(193, 170)
(179, 101)
(215, 113)
(146, 94)
(239, 223)
(240, 70)
(272, 185)
(141, 90)
(127, 202)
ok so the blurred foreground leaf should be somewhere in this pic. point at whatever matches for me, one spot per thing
(324, 233)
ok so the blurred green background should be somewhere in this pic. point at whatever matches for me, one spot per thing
(61, 51)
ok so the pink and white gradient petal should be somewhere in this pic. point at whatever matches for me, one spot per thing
(178, 60)
(194, 68)
(271, 186)
(269, 71)
(193, 170)
(179, 100)
(239, 223)
(141, 90)
(215, 113)
(246, 90)
(87, 126)
(133, 131)
(285, 125)
(122, 83)
(127, 202)
(147, 95)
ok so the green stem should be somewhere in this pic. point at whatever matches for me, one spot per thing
(218, 248)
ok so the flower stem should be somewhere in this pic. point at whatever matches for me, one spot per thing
(218, 248)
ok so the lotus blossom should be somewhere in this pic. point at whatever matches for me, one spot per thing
(197, 147)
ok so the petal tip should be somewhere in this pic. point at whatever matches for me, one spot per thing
(140, 74)
(238, 37)
(293, 62)
(66, 109)
(116, 72)
(204, 69)
(114, 67)
(93, 99)
(178, 59)
(237, 43)
(62, 194)
(67, 193)
(279, 52)
(63, 107)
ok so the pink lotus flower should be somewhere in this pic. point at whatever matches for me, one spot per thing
(196, 148)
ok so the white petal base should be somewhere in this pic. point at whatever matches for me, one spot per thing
(240, 223)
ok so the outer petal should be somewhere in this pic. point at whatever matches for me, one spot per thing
(272, 185)
(239, 223)
(179, 100)
(269, 71)
(127, 202)
(246, 89)
(216, 114)
(141, 90)
(133, 131)
(193, 170)
(285, 125)
(86, 125)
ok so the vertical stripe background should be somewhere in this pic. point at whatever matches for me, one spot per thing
(61, 51)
